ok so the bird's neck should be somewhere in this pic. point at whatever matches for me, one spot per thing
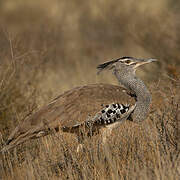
(143, 96)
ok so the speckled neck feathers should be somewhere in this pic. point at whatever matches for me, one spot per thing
(136, 86)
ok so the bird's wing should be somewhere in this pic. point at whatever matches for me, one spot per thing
(78, 104)
(70, 108)
(110, 116)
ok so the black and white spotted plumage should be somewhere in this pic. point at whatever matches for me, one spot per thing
(69, 111)
(108, 115)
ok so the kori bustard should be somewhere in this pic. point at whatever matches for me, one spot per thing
(91, 107)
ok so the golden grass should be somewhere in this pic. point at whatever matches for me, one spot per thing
(49, 47)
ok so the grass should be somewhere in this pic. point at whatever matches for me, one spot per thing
(47, 48)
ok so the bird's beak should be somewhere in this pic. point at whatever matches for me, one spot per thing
(144, 61)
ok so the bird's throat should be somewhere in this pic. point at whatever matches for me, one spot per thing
(143, 96)
(143, 100)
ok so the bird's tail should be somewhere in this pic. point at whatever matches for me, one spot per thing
(15, 139)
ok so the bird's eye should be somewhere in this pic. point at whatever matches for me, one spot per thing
(127, 61)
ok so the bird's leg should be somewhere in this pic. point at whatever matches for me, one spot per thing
(81, 134)
(79, 148)
(106, 132)
(80, 141)
(86, 131)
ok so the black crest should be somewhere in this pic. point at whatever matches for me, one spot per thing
(106, 64)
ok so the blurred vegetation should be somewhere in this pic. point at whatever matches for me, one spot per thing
(47, 47)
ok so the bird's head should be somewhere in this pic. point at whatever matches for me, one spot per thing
(124, 64)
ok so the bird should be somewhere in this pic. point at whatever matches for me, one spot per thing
(91, 108)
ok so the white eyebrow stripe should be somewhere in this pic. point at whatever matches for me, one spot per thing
(124, 61)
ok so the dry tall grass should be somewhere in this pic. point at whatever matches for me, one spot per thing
(49, 47)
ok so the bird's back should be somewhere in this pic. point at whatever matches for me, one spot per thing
(76, 105)
(73, 107)
(87, 104)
